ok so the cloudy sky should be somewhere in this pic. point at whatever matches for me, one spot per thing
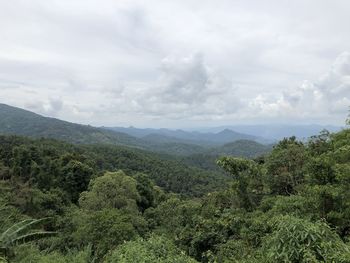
(184, 63)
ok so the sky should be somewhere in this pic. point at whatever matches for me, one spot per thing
(183, 63)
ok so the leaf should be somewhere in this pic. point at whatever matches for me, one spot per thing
(33, 236)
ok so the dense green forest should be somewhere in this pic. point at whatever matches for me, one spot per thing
(61, 202)
(16, 121)
(21, 122)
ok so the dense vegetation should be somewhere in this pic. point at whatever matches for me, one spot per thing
(50, 164)
(206, 159)
(187, 137)
(16, 121)
(112, 204)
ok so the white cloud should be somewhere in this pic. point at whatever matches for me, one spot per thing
(327, 97)
(185, 88)
(176, 63)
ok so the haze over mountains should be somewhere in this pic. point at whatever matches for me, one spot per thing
(247, 141)
(277, 131)
(22, 122)
(203, 138)
(265, 134)
(16, 121)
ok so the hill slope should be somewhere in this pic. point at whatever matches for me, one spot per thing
(191, 137)
(16, 121)
(21, 122)
(242, 148)
(275, 132)
(172, 175)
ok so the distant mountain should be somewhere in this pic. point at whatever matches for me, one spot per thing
(179, 149)
(159, 138)
(191, 137)
(21, 122)
(242, 148)
(16, 121)
(276, 132)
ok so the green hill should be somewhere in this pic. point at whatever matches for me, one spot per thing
(16, 121)
(242, 148)
(172, 175)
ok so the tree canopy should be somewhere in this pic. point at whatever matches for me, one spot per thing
(113, 204)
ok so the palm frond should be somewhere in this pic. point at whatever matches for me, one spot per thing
(15, 229)
(33, 236)
(19, 229)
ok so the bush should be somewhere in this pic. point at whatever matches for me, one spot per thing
(155, 249)
(299, 240)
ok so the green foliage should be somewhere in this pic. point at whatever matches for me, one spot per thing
(31, 254)
(235, 166)
(155, 249)
(111, 191)
(20, 122)
(248, 177)
(147, 191)
(19, 233)
(284, 166)
(296, 205)
(53, 164)
(104, 230)
(233, 251)
(242, 148)
(116, 204)
(299, 240)
(15, 121)
(75, 178)
(173, 216)
(9, 215)
(171, 175)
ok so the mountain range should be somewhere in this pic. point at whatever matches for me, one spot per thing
(241, 140)
(276, 132)
(16, 121)
(262, 133)
(181, 136)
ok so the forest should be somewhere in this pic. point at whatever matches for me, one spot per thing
(63, 202)
(180, 131)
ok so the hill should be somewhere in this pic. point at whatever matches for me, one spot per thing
(274, 132)
(243, 148)
(192, 137)
(17, 121)
(291, 206)
(42, 158)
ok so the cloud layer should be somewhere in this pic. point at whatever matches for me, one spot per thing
(177, 63)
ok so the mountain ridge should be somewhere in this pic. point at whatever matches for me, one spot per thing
(17, 121)
(194, 137)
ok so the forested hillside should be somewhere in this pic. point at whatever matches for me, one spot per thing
(277, 132)
(206, 158)
(192, 137)
(174, 131)
(112, 204)
(16, 121)
(21, 122)
(48, 158)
